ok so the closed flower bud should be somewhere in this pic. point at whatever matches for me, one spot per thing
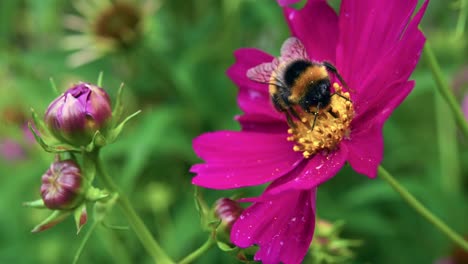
(76, 115)
(62, 185)
(228, 211)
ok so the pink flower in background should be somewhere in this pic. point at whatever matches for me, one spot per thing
(11, 150)
(375, 46)
(287, 2)
(465, 106)
(459, 82)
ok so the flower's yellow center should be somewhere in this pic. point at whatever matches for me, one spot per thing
(331, 125)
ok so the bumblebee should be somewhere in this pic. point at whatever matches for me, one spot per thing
(294, 80)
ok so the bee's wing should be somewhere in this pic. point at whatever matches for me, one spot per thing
(262, 73)
(293, 49)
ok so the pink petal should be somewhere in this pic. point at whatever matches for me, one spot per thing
(238, 159)
(258, 103)
(312, 172)
(377, 114)
(246, 59)
(253, 96)
(74, 112)
(260, 123)
(368, 31)
(365, 150)
(365, 145)
(380, 85)
(316, 25)
(282, 226)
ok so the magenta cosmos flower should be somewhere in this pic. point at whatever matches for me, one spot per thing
(375, 46)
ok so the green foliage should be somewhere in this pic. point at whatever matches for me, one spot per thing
(176, 77)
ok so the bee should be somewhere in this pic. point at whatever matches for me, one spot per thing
(295, 80)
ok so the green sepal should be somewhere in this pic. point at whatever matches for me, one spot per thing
(53, 219)
(37, 122)
(214, 223)
(207, 217)
(48, 147)
(98, 141)
(54, 87)
(94, 194)
(99, 80)
(114, 133)
(118, 108)
(225, 247)
(81, 217)
(102, 207)
(39, 203)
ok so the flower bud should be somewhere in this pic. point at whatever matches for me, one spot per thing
(62, 185)
(76, 115)
(228, 211)
(327, 243)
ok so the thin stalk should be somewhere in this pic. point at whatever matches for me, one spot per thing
(448, 147)
(197, 253)
(444, 89)
(423, 211)
(142, 232)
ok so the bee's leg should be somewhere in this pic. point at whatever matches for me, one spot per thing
(294, 113)
(290, 120)
(342, 96)
(288, 111)
(316, 113)
(333, 69)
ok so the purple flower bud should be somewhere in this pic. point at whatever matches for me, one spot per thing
(228, 211)
(62, 185)
(77, 114)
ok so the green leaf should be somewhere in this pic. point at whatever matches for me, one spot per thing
(81, 217)
(55, 218)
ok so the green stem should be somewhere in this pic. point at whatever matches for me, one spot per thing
(444, 89)
(460, 28)
(448, 147)
(197, 253)
(84, 242)
(423, 211)
(142, 232)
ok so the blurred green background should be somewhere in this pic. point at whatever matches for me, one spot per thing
(173, 67)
